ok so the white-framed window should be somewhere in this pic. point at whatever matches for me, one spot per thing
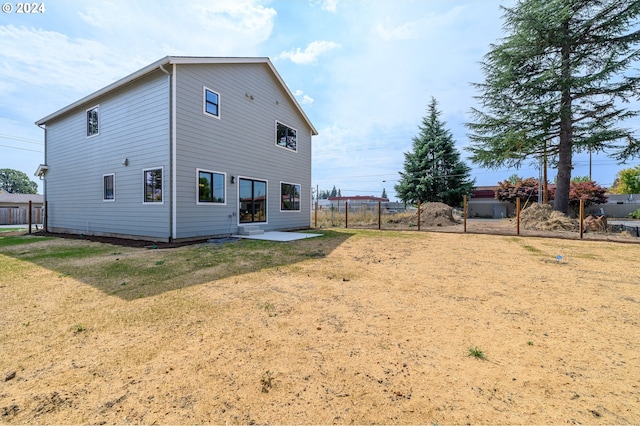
(210, 187)
(286, 137)
(153, 185)
(211, 102)
(289, 196)
(93, 127)
(109, 187)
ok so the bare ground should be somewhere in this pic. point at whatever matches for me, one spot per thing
(377, 328)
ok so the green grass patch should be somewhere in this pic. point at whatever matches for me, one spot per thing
(532, 249)
(476, 352)
(15, 240)
(12, 230)
(131, 273)
(522, 243)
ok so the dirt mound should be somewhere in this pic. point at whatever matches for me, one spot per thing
(432, 214)
(542, 217)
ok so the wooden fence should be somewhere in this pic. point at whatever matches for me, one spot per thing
(20, 216)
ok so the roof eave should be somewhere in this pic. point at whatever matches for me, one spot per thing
(181, 60)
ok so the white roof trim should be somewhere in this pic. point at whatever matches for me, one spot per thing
(42, 170)
(180, 60)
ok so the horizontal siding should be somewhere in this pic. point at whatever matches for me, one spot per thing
(240, 143)
(133, 124)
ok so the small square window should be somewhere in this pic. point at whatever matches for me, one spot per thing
(211, 187)
(289, 196)
(153, 186)
(211, 103)
(286, 137)
(92, 121)
(109, 187)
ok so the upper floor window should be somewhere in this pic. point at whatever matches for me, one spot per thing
(92, 121)
(211, 102)
(109, 187)
(286, 137)
(289, 196)
(153, 186)
(210, 187)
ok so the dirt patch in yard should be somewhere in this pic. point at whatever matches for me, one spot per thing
(371, 327)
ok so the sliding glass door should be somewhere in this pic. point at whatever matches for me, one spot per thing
(253, 201)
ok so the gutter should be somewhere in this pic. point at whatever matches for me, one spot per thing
(174, 159)
(173, 151)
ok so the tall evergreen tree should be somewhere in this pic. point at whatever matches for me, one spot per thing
(433, 171)
(555, 85)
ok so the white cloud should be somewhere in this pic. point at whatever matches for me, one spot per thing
(328, 5)
(100, 17)
(302, 98)
(426, 26)
(60, 63)
(310, 54)
(228, 17)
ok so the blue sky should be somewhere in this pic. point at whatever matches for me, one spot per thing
(364, 71)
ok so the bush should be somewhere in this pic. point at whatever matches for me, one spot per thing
(635, 214)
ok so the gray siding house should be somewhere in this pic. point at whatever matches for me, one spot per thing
(185, 148)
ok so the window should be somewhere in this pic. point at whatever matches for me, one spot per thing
(211, 187)
(109, 187)
(92, 121)
(153, 186)
(211, 103)
(286, 137)
(289, 196)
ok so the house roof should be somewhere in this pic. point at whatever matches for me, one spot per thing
(178, 60)
(5, 197)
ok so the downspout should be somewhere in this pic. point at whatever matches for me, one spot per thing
(172, 143)
(45, 224)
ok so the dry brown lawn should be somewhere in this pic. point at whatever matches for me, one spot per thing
(369, 327)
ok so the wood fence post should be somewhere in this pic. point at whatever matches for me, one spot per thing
(581, 218)
(419, 214)
(379, 214)
(464, 213)
(346, 214)
(518, 216)
(30, 218)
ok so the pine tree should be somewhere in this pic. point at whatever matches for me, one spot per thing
(384, 193)
(555, 85)
(433, 171)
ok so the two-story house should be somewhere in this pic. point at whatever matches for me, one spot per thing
(185, 148)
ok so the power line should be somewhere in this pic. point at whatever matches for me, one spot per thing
(17, 138)
(24, 149)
